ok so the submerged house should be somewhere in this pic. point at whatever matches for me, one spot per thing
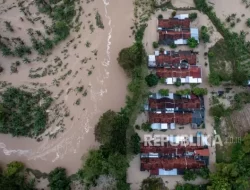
(172, 59)
(171, 160)
(164, 112)
(190, 75)
(176, 30)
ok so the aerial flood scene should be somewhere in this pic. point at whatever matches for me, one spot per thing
(124, 94)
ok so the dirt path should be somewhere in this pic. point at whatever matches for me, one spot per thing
(106, 90)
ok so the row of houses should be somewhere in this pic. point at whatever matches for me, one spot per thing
(176, 30)
(164, 112)
(177, 66)
(170, 160)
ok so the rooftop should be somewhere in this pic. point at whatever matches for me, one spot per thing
(178, 118)
(192, 71)
(173, 23)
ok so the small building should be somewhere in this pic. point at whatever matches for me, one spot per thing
(191, 75)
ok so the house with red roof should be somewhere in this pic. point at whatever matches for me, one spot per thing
(190, 75)
(172, 59)
(164, 112)
(176, 30)
(173, 160)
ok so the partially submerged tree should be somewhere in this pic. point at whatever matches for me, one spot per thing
(152, 80)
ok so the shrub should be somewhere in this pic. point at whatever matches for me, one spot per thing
(204, 34)
(248, 22)
(135, 143)
(9, 26)
(173, 13)
(173, 45)
(199, 91)
(162, 50)
(155, 45)
(146, 127)
(192, 42)
(137, 127)
(152, 80)
(160, 16)
(164, 92)
(214, 79)
(218, 111)
(189, 175)
(58, 179)
(178, 82)
(98, 19)
(192, 16)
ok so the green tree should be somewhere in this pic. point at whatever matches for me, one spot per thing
(153, 183)
(164, 92)
(192, 42)
(58, 179)
(178, 82)
(118, 165)
(155, 45)
(61, 30)
(104, 127)
(130, 58)
(192, 16)
(204, 34)
(248, 22)
(151, 80)
(189, 175)
(214, 79)
(246, 143)
(135, 143)
(218, 110)
(199, 91)
(160, 16)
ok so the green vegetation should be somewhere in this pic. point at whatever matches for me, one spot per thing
(98, 19)
(146, 127)
(199, 91)
(218, 111)
(160, 16)
(183, 92)
(173, 46)
(153, 183)
(195, 90)
(24, 113)
(188, 186)
(135, 143)
(152, 80)
(173, 13)
(248, 22)
(14, 177)
(189, 175)
(9, 26)
(192, 16)
(230, 54)
(164, 92)
(129, 58)
(58, 179)
(192, 42)
(178, 82)
(204, 34)
(155, 45)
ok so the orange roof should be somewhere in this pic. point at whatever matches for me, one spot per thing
(202, 152)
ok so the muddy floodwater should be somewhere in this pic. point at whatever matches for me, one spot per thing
(106, 90)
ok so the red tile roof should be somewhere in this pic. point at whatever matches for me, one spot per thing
(175, 58)
(154, 164)
(178, 118)
(173, 22)
(202, 152)
(192, 71)
(174, 35)
(183, 103)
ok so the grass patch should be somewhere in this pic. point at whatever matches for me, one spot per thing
(23, 113)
